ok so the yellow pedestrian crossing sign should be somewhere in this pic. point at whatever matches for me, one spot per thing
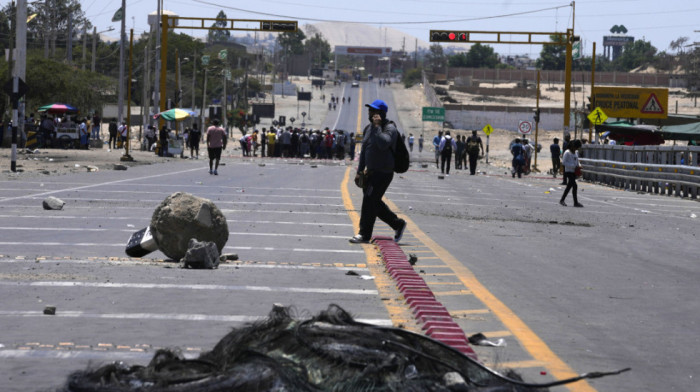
(488, 129)
(597, 116)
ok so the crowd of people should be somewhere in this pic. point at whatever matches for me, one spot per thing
(289, 142)
(460, 146)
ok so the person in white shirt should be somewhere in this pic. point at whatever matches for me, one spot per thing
(570, 162)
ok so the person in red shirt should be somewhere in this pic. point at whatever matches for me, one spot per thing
(216, 142)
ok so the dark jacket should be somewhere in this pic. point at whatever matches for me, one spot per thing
(378, 148)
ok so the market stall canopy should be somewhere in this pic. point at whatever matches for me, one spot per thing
(57, 108)
(682, 132)
(632, 134)
(175, 114)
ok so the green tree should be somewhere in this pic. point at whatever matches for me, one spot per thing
(292, 42)
(479, 56)
(635, 54)
(51, 23)
(435, 60)
(52, 81)
(412, 77)
(219, 35)
(319, 49)
(553, 57)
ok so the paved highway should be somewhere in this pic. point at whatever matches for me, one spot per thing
(609, 286)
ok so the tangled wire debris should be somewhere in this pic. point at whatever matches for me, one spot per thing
(328, 352)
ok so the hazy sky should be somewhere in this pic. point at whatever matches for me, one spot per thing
(659, 22)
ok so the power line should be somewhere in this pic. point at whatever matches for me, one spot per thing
(381, 22)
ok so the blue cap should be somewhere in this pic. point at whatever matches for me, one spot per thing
(379, 105)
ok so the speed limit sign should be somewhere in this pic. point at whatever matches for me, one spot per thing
(525, 127)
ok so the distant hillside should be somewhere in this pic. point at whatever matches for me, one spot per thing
(357, 34)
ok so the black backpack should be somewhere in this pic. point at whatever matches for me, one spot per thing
(401, 157)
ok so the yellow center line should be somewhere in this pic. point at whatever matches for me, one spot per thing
(532, 343)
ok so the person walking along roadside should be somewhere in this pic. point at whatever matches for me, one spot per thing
(570, 162)
(473, 144)
(447, 145)
(216, 141)
(377, 163)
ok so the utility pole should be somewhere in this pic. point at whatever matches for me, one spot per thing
(194, 77)
(120, 88)
(204, 102)
(127, 146)
(145, 107)
(94, 47)
(84, 45)
(156, 88)
(19, 71)
(224, 103)
(69, 47)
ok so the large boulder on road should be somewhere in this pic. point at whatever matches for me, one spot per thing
(183, 216)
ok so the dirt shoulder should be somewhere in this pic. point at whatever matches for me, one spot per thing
(51, 162)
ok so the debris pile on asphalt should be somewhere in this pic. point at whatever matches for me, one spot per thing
(328, 352)
(53, 203)
(182, 217)
(201, 255)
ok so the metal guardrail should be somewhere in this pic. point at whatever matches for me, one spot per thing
(669, 170)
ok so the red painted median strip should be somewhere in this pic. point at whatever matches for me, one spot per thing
(433, 316)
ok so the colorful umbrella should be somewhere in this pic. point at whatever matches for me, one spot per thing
(58, 108)
(175, 114)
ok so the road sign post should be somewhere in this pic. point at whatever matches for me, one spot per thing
(433, 114)
(487, 130)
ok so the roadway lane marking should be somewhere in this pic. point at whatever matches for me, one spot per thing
(532, 343)
(201, 194)
(217, 202)
(96, 185)
(397, 310)
(141, 262)
(164, 286)
(132, 230)
(335, 126)
(38, 244)
(319, 224)
(161, 316)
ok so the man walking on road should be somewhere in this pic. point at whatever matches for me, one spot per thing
(473, 144)
(436, 145)
(447, 145)
(216, 141)
(377, 163)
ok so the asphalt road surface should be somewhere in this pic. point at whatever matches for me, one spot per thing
(605, 287)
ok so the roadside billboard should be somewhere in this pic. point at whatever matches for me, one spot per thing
(632, 102)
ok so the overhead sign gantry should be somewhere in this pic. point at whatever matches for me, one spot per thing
(526, 38)
(272, 26)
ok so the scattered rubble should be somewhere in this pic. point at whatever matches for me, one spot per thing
(328, 352)
(183, 216)
(200, 255)
(53, 203)
(229, 257)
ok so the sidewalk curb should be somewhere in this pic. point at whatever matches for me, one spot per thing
(434, 318)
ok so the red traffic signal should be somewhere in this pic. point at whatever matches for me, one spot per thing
(447, 36)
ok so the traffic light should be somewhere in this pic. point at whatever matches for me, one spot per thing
(447, 36)
(589, 105)
(536, 117)
(277, 25)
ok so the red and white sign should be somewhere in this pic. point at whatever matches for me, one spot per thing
(652, 105)
(525, 127)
